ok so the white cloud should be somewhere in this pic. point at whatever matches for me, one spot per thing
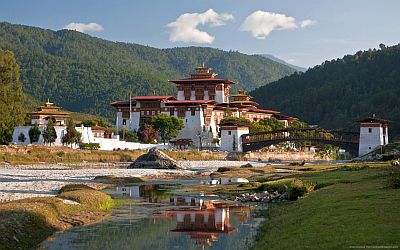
(84, 27)
(307, 22)
(185, 27)
(261, 23)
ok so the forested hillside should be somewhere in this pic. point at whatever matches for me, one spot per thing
(84, 73)
(338, 92)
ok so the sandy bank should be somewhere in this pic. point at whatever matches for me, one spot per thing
(24, 181)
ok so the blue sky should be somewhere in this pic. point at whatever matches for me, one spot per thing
(331, 28)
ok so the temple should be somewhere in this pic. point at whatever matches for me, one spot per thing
(49, 111)
(202, 101)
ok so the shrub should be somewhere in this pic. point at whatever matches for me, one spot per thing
(60, 154)
(92, 146)
(298, 188)
(395, 180)
(22, 137)
(73, 187)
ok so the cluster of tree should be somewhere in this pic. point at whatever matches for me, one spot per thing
(160, 127)
(72, 136)
(84, 73)
(11, 96)
(94, 123)
(336, 93)
(268, 124)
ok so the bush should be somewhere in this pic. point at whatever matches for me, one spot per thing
(60, 154)
(395, 180)
(73, 187)
(298, 188)
(92, 146)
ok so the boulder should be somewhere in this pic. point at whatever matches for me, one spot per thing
(155, 159)
(248, 165)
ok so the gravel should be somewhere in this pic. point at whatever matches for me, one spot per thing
(24, 181)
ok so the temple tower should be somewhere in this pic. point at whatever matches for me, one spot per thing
(203, 84)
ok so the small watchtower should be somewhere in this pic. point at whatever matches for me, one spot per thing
(373, 133)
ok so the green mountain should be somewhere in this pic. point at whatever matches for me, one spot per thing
(84, 73)
(335, 93)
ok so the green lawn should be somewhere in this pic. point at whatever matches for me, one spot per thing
(358, 207)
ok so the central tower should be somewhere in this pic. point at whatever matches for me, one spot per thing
(203, 84)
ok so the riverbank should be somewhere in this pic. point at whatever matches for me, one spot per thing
(351, 207)
(17, 155)
(27, 222)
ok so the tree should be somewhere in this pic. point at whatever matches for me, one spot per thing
(148, 133)
(167, 126)
(50, 134)
(11, 96)
(72, 136)
(34, 133)
(129, 136)
(267, 124)
(22, 137)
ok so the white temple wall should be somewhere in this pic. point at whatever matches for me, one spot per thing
(219, 96)
(118, 122)
(60, 131)
(180, 96)
(370, 138)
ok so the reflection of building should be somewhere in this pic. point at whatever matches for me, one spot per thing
(207, 220)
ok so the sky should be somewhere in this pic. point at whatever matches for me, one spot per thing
(302, 32)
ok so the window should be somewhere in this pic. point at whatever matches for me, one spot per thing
(229, 132)
(171, 111)
(370, 130)
(193, 111)
(123, 122)
(181, 112)
(211, 97)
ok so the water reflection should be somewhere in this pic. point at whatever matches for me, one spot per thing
(157, 219)
(202, 218)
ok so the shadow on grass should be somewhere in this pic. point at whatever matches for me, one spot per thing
(22, 229)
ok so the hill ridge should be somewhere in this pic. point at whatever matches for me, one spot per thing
(84, 73)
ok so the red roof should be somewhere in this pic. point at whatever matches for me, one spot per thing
(373, 120)
(97, 128)
(263, 110)
(191, 80)
(153, 97)
(189, 101)
(120, 103)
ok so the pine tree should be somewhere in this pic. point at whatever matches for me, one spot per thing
(50, 134)
(72, 136)
(11, 96)
(34, 133)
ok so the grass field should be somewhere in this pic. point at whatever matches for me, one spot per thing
(43, 154)
(354, 207)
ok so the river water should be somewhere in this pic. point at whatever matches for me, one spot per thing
(161, 216)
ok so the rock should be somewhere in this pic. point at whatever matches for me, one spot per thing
(248, 165)
(224, 169)
(155, 159)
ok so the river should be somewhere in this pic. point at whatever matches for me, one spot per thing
(162, 216)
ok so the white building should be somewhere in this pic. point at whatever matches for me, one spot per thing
(202, 101)
(95, 134)
(373, 133)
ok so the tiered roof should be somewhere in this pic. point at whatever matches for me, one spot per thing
(51, 110)
(203, 75)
